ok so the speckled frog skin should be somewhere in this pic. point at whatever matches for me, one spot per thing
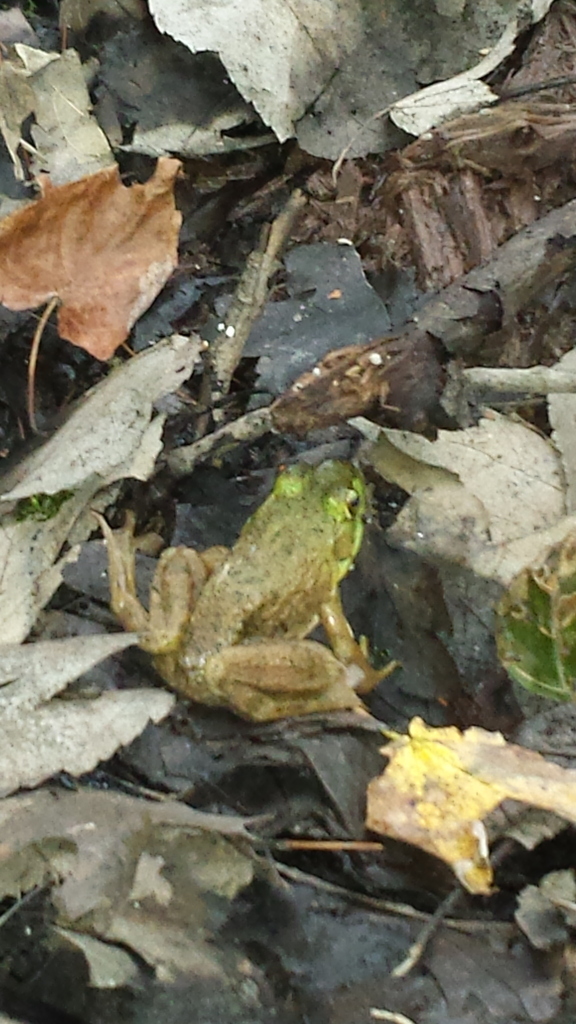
(228, 627)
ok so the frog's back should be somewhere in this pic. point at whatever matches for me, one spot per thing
(285, 565)
(270, 587)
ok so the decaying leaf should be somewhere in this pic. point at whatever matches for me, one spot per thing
(480, 496)
(179, 102)
(16, 103)
(441, 783)
(485, 503)
(536, 625)
(31, 559)
(113, 432)
(108, 966)
(431, 106)
(547, 913)
(104, 250)
(42, 736)
(77, 14)
(505, 465)
(111, 435)
(31, 674)
(52, 87)
(68, 140)
(153, 877)
(278, 55)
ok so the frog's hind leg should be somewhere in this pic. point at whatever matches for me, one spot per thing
(121, 575)
(264, 680)
(179, 576)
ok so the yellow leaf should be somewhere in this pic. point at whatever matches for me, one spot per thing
(441, 783)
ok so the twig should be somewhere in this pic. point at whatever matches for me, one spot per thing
(394, 1018)
(251, 295)
(417, 948)
(34, 359)
(535, 380)
(246, 428)
(337, 167)
(391, 906)
(524, 90)
(513, 93)
(18, 905)
(322, 845)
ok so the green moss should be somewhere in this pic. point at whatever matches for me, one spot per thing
(41, 507)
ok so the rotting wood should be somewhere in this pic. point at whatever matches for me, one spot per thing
(397, 380)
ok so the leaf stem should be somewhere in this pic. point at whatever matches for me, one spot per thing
(34, 359)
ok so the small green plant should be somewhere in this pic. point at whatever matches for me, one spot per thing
(536, 625)
(41, 507)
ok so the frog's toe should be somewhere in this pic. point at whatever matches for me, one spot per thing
(124, 602)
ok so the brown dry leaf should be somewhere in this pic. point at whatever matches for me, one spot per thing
(441, 783)
(104, 250)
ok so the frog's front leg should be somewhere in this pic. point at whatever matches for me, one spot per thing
(363, 676)
(179, 576)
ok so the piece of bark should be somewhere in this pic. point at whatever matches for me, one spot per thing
(489, 298)
(435, 200)
(397, 380)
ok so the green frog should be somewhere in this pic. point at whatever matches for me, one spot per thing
(228, 627)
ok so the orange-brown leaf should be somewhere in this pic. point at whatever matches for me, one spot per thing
(104, 250)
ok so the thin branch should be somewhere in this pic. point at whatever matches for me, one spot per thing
(389, 1015)
(418, 947)
(535, 380)
(246, 428)
(502, 928)
(337, 167)
(251, 295)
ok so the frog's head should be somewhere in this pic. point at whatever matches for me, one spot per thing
(334, 491)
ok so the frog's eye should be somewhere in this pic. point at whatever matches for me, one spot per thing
(352, 498)
(342, 507)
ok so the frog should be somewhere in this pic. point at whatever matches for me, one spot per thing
(229, 627)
